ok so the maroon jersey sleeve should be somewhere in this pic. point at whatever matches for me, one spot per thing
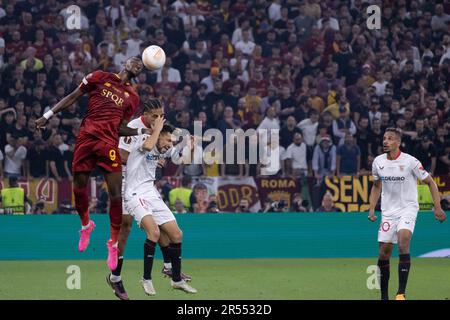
(90, 81)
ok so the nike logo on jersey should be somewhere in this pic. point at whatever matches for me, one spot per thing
(381, 168)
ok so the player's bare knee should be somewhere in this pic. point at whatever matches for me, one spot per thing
(153, 234)
(177, 236)
(125, 228)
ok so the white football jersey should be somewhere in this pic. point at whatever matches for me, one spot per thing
(141, 167)
(126, 143)
(398, 183)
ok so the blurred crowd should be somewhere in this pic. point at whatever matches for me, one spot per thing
(310, 68)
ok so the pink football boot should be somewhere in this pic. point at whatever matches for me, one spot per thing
(84, 236)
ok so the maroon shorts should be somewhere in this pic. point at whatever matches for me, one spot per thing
(90, 152)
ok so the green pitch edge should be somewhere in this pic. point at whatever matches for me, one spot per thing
(224, 236)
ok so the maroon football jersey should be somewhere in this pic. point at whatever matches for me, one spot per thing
(110, 102)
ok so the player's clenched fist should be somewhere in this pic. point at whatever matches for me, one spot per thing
(41, 123)
(439, 214)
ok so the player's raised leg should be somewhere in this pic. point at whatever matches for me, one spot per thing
(152, 231)
(176, 236)
(114, 183)
(385, 252)
(164, 243)
(404, 264)
(80, 191)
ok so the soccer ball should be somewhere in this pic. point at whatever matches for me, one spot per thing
(153, 58)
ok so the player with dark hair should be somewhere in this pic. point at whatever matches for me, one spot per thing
(153, 109)
(396, 173)
(145, 204)
(112, 102)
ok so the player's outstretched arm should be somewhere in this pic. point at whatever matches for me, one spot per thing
(65, 102)
(438, 212)
(373, 200)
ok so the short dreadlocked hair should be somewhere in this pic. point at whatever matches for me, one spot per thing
(152, 104)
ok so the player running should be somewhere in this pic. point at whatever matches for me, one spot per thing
(396, 173)
(153, 109)
(144, 203)
(112, 102)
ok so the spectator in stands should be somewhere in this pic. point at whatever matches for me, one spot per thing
(68, 158)
(348, 158)
(15, 154)
(243, 207)
(199, 198)
(192, 161)
(270, 121)
(179, 207)
(287, 103)
(309, 132)
(425, 152)
(55, 159)
(287, 132)
(246, 45)
(36, 156)
(99, 203)
(39, 206)
(212, 204)
(376, 138)
(324, 158)
(327, 204)
(182, 193)
(342, 126)
(295, 158)
(200, 59)
(298, 204)
(274, 158)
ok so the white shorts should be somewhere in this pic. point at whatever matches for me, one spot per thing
(146, 204)
(390, 226)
